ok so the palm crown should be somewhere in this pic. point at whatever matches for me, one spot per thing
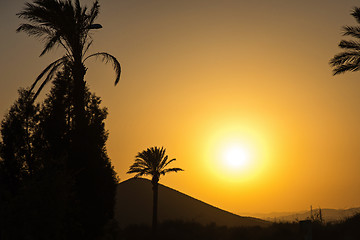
(348, 60)
(153, 162)
(62, 23)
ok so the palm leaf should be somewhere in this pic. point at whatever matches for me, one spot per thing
(87, 47)
(33, 30)
(48, 68)
(49, 77)
(351, 31)
(352, 45)
(106, 57)
(52, 40)
(94, 12)
(163, 172)
(356, 14)
(152, 161)
(344, 57)
(346, 68)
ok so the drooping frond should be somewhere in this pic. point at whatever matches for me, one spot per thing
(106, 57)
(49, 70)
(49, 77)
(50, 66)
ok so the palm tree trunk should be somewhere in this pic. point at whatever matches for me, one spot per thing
(79, 71)
(77, 160)
(155, 208)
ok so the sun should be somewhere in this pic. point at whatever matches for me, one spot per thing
(236, 156)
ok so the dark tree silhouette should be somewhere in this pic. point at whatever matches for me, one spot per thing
(67, 24)
(17, 131)
(153, 162)
(349, 59)
(49, 200)
(93, 175)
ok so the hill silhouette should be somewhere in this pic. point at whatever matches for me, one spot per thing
(134, 206)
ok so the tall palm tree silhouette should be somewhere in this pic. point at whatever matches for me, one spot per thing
(68, 25)
(349, 59)
(153, 162)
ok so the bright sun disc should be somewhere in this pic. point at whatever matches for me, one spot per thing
(236, 154)
(236, 157)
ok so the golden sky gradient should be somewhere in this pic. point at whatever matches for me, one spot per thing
(201, 74)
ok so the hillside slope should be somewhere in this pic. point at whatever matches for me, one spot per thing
(134, 206)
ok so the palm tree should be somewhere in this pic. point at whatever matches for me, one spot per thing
(65, 24)
(349, 59)
(153, 162)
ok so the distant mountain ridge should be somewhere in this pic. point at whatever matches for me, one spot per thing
(328, 215)
(134, 206)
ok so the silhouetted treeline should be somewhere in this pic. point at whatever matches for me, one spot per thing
(48, 189)
(179, 230)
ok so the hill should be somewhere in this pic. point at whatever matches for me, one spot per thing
(134, 206)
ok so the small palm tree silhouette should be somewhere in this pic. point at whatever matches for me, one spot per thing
(153, 162)
(349, 59)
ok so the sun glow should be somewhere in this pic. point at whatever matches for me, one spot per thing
(237, 154)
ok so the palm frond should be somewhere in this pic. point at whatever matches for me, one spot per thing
(94, 12)
(52, 18)
(49, 77)
(163, 172)
(163, 162)
(174, 159)
(346, 68)
(152, 161)
(33, 30)
(356, 14)
(106, 57)
(51, 41)
(139, 171)
(140, 164)
(349, 44)
(78, 10)
(351, 31)
(42, 12)
(86, 48)
(345, 58)
(48, 68)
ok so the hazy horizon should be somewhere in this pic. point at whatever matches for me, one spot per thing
(200, 76)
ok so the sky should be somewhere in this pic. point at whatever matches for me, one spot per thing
(201, 76)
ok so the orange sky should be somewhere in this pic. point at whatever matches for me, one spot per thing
(198, 73)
